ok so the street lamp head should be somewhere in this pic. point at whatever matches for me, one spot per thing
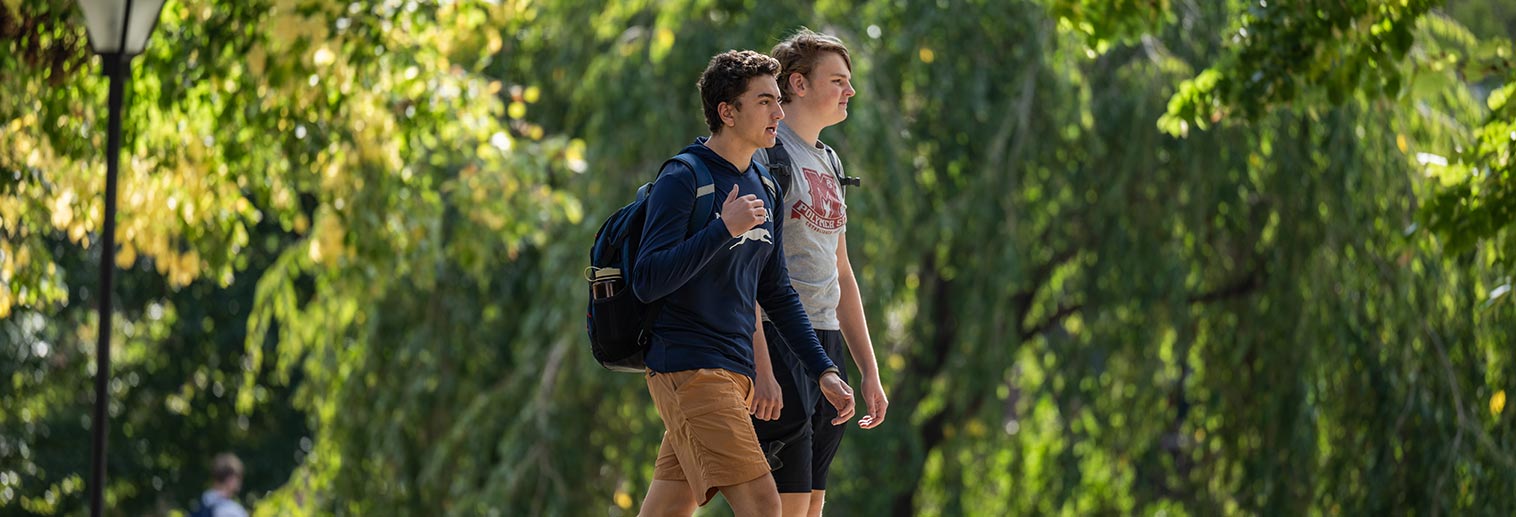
(120, 27)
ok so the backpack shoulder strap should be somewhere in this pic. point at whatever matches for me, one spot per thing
(705, 200)
(770, 184)
(780, 166)
(705, 191)
(844, 181)
(207, 509)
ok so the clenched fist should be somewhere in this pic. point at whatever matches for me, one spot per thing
(742, 213)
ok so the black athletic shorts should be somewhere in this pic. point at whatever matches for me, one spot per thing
(800, 445)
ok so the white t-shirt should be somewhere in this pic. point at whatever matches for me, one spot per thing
(223, 507)
(815, 215)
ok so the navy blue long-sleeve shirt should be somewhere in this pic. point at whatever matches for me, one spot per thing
(708, 283)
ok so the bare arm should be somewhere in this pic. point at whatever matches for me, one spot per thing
(855, 331)
(768, 400)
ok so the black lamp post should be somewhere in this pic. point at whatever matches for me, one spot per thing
(118, 31)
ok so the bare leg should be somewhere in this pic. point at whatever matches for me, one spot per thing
(818, 498)
(796, 504)
(668, 499)
(756, 498)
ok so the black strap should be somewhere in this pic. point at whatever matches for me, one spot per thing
(779, 166)
(770, 185)
(783, 169)
(843, 180)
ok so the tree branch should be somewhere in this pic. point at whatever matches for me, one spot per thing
(1023, 300)
(1063, 312)
(1240, 287)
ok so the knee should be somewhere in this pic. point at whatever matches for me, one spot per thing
(667, 500)
(682, 508)
(769, 503)
(764, 503)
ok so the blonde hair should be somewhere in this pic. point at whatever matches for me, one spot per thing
(799, 54)
(225, 466)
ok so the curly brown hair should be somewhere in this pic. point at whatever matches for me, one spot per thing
(800, 53)
(726, 77)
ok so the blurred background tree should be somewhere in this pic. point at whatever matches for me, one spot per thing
(1120, 257)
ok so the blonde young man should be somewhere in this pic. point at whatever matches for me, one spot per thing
(700, 359)
(800, 435)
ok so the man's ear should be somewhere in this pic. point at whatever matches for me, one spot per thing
(797, 83)
(725, 110)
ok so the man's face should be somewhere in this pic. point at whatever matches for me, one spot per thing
(755, 117)
(828, 89)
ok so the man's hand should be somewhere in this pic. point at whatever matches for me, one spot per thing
(742, 213)
(839, 394)
(873, 395)
(768, 398)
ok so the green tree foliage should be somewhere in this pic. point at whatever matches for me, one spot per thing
(1076, 311)
(326, 154)
(1315, 54)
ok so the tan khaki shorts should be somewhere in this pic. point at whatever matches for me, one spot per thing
(708, 439)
